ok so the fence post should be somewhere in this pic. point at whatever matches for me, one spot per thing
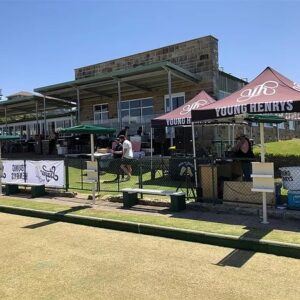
(81, 173)
(67, 173)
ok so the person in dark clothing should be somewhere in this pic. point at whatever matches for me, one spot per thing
(243, 151)
(140, 131)
(124, 131)
(117, 154)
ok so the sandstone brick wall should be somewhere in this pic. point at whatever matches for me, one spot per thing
(198, 56)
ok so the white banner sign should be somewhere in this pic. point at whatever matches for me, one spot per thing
(49, 172)
(13, 171)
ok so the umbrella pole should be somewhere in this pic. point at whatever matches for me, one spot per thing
(194, 155)
(262, 159)
(93, 159)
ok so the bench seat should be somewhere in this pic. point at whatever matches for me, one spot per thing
(37, 189)
(130, 197)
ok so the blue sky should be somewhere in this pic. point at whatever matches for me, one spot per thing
(41, 42)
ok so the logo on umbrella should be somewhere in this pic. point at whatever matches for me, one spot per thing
(189, 107)
(268, 88)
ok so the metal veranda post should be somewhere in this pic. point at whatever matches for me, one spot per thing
(37, 118)
(5, 112)
(119, 104)
(45, 118)
(78, 105)
(151, 147)
(171, 102)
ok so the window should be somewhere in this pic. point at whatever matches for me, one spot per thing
(177, 100)
(100, 113)
(137, 110)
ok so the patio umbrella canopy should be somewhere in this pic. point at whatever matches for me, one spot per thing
(88, 129)
(269, 92)
(9, 137)
(182, 115)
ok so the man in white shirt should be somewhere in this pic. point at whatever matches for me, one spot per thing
(127, 156)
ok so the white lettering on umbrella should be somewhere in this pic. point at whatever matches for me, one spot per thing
(268, 88)
(189, 107)
(255, 108)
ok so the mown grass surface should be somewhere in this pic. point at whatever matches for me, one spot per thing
(198, 225)
(289, 147)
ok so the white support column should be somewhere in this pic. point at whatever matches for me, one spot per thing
(78, 105)
(194, 155)
(37, 118)
(151, 147)
(5, 112)
(119, 104)
(262, 158)
(45, 119)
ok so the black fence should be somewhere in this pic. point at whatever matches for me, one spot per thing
(211, 181)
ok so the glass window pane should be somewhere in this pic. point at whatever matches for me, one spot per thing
(135, 103)
(125, 113)
(104, 107)
(135, 112)
(147, 102)
(104, 116)
(124, 104)
(147, 111)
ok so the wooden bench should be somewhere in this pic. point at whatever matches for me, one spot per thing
(37, 189)
(130, 197)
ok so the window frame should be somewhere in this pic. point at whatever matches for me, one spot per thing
(173, 95)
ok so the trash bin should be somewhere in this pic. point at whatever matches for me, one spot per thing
(294, 200)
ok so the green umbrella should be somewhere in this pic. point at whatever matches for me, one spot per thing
(88, 129)
(5, 138)
(265, 119)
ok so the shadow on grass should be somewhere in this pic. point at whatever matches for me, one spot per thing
(63, 212)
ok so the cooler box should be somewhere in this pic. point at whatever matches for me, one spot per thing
(294, 200)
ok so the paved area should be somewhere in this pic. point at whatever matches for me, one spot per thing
(42, 259)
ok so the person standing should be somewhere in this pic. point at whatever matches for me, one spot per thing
(127, 156)
(124, 131)
(243, 151)
(117, 154)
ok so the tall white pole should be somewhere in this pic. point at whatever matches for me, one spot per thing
(262, 158)
(194, 155)
(93, 159)
(78, 106)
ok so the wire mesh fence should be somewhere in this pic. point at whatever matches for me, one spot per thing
(201, 179)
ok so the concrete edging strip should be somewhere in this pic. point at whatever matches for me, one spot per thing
(264, 246)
